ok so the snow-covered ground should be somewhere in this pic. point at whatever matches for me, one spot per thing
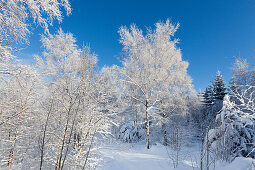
(137, 157)
(237, 164)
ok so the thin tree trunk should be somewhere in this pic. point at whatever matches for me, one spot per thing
(63, 141)
(44, 134)
(71, 133)
(10, 150)
(178, 145)
(67, 148)
(56, 166)
(147, 126)
(136, 125)
(85, 137)
(87, 156)
(207, 149)
(202, 149)
(16, 134)
(16, 129)
(164, 128)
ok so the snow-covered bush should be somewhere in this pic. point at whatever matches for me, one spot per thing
(235, 135)
(129, 132)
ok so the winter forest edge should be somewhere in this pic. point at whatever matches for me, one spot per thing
(61, 112)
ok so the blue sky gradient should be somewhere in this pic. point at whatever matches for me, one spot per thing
(211, 32)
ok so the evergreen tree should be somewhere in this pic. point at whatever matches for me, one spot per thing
(200, 95)
(213, 99)
(208, 96)
(219, 87)
(235, 135)
(216, 91)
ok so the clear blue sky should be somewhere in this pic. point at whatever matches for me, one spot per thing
(211, 31)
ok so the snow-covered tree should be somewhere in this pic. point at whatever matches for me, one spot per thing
(71, 75)
(153, 69)
(53, 117)
(17, 18)
(240, 72)
(243, 76)
(212, 100)
(216, 91)
(208, 96)
(236, 134)
(219, 87)
(19, 96)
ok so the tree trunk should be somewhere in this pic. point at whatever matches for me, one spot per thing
(147, 126)
(44, 135)
(64, 138)
(164, 128)
(87, 156)
(43, 141)
(207, 149)
(202, 149)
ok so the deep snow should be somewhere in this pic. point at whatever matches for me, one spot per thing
(137, 157)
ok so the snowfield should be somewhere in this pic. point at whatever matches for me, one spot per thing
(137, 157)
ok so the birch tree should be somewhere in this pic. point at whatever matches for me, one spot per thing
(17, 17)
(152, 66)
(78, 105)
(19, 95)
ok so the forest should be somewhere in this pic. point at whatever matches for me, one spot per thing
(64, 110)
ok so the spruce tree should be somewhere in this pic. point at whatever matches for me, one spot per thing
(213, 99)
(208, 96)
(200, 95)
(219, 87)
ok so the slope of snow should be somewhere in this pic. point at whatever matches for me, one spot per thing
(137, 157)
